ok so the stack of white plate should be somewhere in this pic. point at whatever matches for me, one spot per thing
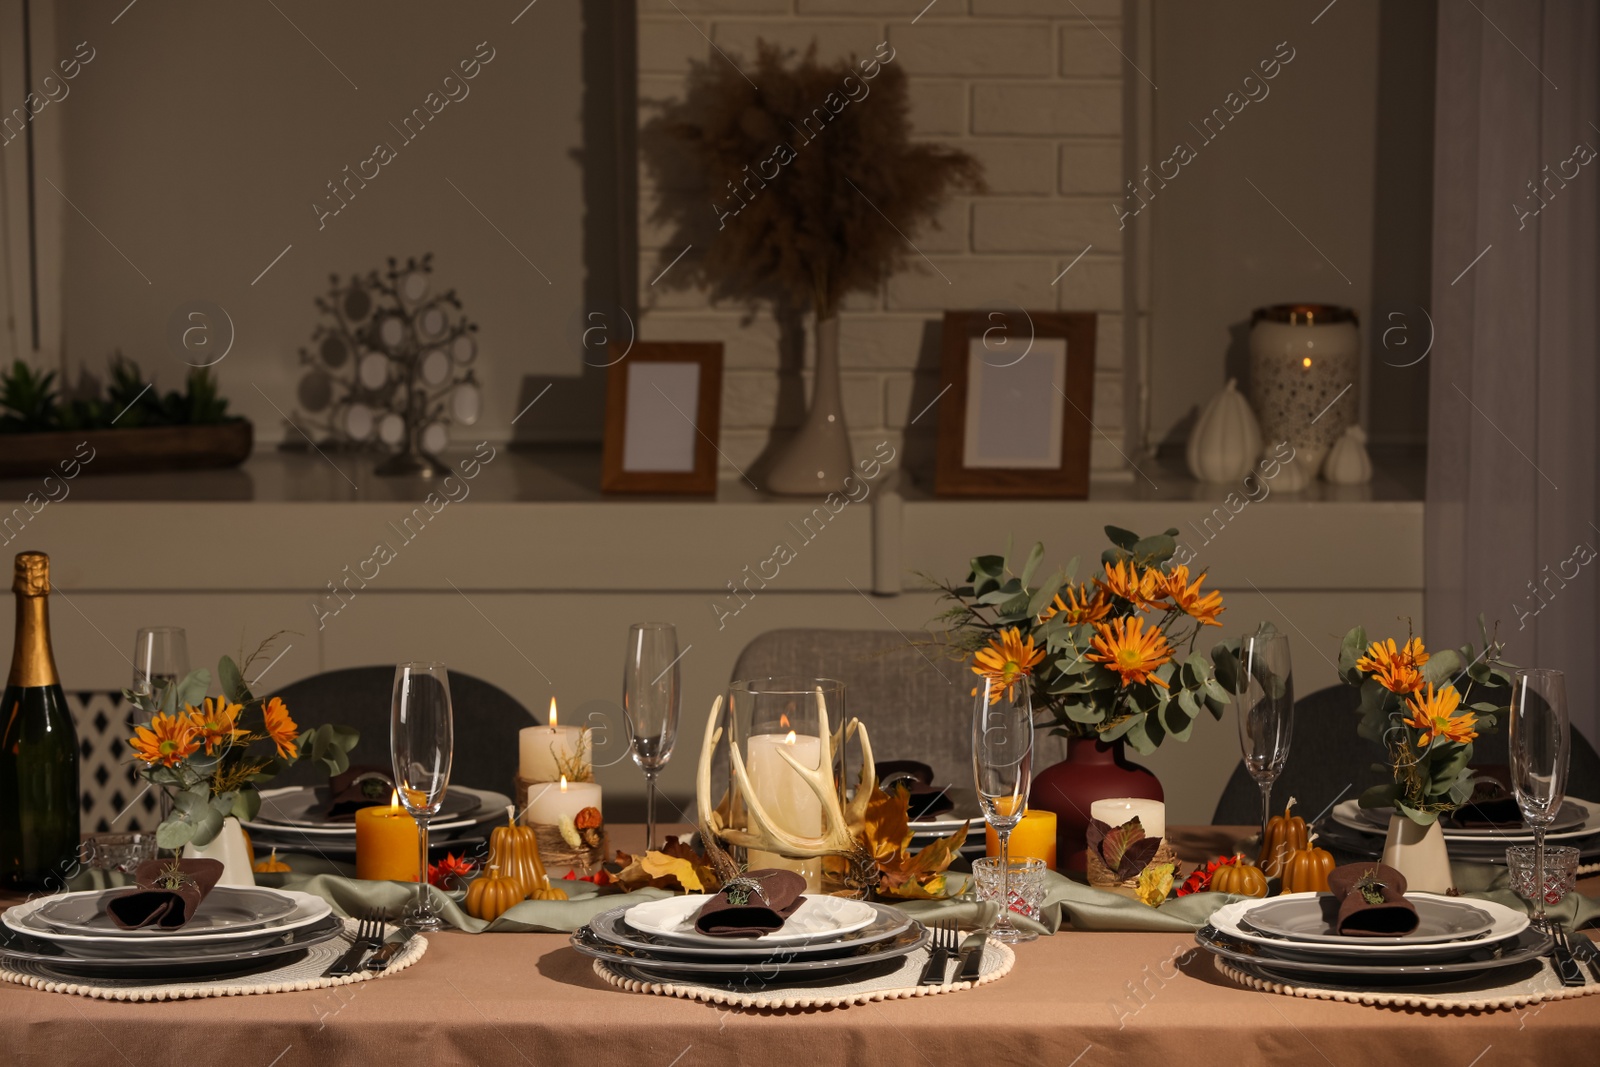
(826, 937)
(292, 818)
(235, 930)
(1292, 939)
(1577, 821)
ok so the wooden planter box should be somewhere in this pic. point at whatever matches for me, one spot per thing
(156, 448)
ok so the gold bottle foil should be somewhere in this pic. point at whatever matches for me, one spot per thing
(32, 662)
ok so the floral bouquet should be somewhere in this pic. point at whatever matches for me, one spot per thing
(1410, 705)
(1103, 655)
(213, 753)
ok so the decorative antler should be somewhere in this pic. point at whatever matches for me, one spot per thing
(841, 823)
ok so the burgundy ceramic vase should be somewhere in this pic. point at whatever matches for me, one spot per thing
(1093, 770)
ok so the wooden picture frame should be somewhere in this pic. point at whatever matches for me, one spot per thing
(1023, 429)
(663, 417)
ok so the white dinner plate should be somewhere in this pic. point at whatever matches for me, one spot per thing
(817, 919)
(491, 806)
(226, 907)
(1310, 917)
(24, 920)
(1376, 821)
(1506, 922)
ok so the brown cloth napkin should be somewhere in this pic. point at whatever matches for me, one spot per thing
(155, 902)
(1359, 917)
(1491, 805)
(766, 905)
(359, 787)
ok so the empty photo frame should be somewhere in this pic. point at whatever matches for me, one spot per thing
(663, 413)
(1017, 391)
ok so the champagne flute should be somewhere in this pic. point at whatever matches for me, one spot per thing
(1264, 690)
(160, 660)
(1539, 743)
(650, 698)
(1002, 763)
(421, 740)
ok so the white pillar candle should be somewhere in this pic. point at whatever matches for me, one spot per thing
(549, 801)
(548, 752)
(785, 796)
(1118, 810)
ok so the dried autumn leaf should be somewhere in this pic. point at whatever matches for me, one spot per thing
(886, 826)
(921, 877)
(1154, 884)
(660, 865)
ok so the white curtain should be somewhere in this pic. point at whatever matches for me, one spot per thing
(1513, 473)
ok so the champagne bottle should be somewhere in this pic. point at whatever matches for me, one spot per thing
(38, 747)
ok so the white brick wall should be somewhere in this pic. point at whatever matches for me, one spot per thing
(1033, 89)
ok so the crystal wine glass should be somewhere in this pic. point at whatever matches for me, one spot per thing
(1002, 763)
(1539, 744)
(1264, 691)
(160, 659)
(421, 740)
(650, 698)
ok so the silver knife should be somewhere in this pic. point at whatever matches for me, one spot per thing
(971, 965)
(397, 942)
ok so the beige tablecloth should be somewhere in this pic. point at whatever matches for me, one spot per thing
(1074, 998)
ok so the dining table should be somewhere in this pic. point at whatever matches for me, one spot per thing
(1074, 998)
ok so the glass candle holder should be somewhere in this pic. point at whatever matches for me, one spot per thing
(1560, 872)
(1026, 885)
(116, 852)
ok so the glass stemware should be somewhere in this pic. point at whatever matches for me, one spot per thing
(650, 698)
(1264, 690)
(1002, 764)
(1539, 742)
(160, 659)
(421, 741)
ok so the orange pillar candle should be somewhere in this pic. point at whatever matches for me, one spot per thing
(1032, 838)
(386, 843)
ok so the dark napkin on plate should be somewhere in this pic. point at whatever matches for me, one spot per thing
(357, 788)
(926, 799)
(157, 902)
(1491, 805)
(1358, 916)
(767, 898)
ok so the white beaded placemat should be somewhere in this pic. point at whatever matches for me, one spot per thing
(897, 984)
(305, 973)
(1541, 986)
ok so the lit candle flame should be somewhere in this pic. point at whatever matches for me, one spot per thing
(563, 783)
(790, 739)
(1306, 362)
(394, 799)
(553, 722)
(783, 721)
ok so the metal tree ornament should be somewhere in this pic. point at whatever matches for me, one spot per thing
(393, 367)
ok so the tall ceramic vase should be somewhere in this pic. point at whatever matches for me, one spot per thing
(1093, 770)
(817, 459)
(230, 848)
(1419, 853)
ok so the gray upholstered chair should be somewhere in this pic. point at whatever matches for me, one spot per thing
(916, 704)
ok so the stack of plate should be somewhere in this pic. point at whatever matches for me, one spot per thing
(1291, 939)
(826, 938)
(235, 930)
(1577, 823)
(293, 819)
(964, 810)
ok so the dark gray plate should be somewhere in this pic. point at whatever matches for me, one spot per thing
(1513, 952)
(197, 965)
(306, 806)
(1312, 919)
(610, 927)
(659, 965)
(224, 908)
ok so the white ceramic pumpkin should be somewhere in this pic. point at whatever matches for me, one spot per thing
(1226, 439)
(1348, 462)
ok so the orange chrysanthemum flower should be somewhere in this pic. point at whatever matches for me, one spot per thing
(1125, 646)
(1188, 599)
(1010, 656)
(1397, 670)
(1143, 589)
(1435, 716)
(1079, 606)
(280, 728)
(217, 723)
(167, 740)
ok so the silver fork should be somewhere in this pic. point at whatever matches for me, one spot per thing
(369, 935)
(945, 941)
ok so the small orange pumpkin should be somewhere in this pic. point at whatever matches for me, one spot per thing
(491, 894)
(1283, 834)
(1306, 870)
(515, 850)
(1242, 878)
(271, 865)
